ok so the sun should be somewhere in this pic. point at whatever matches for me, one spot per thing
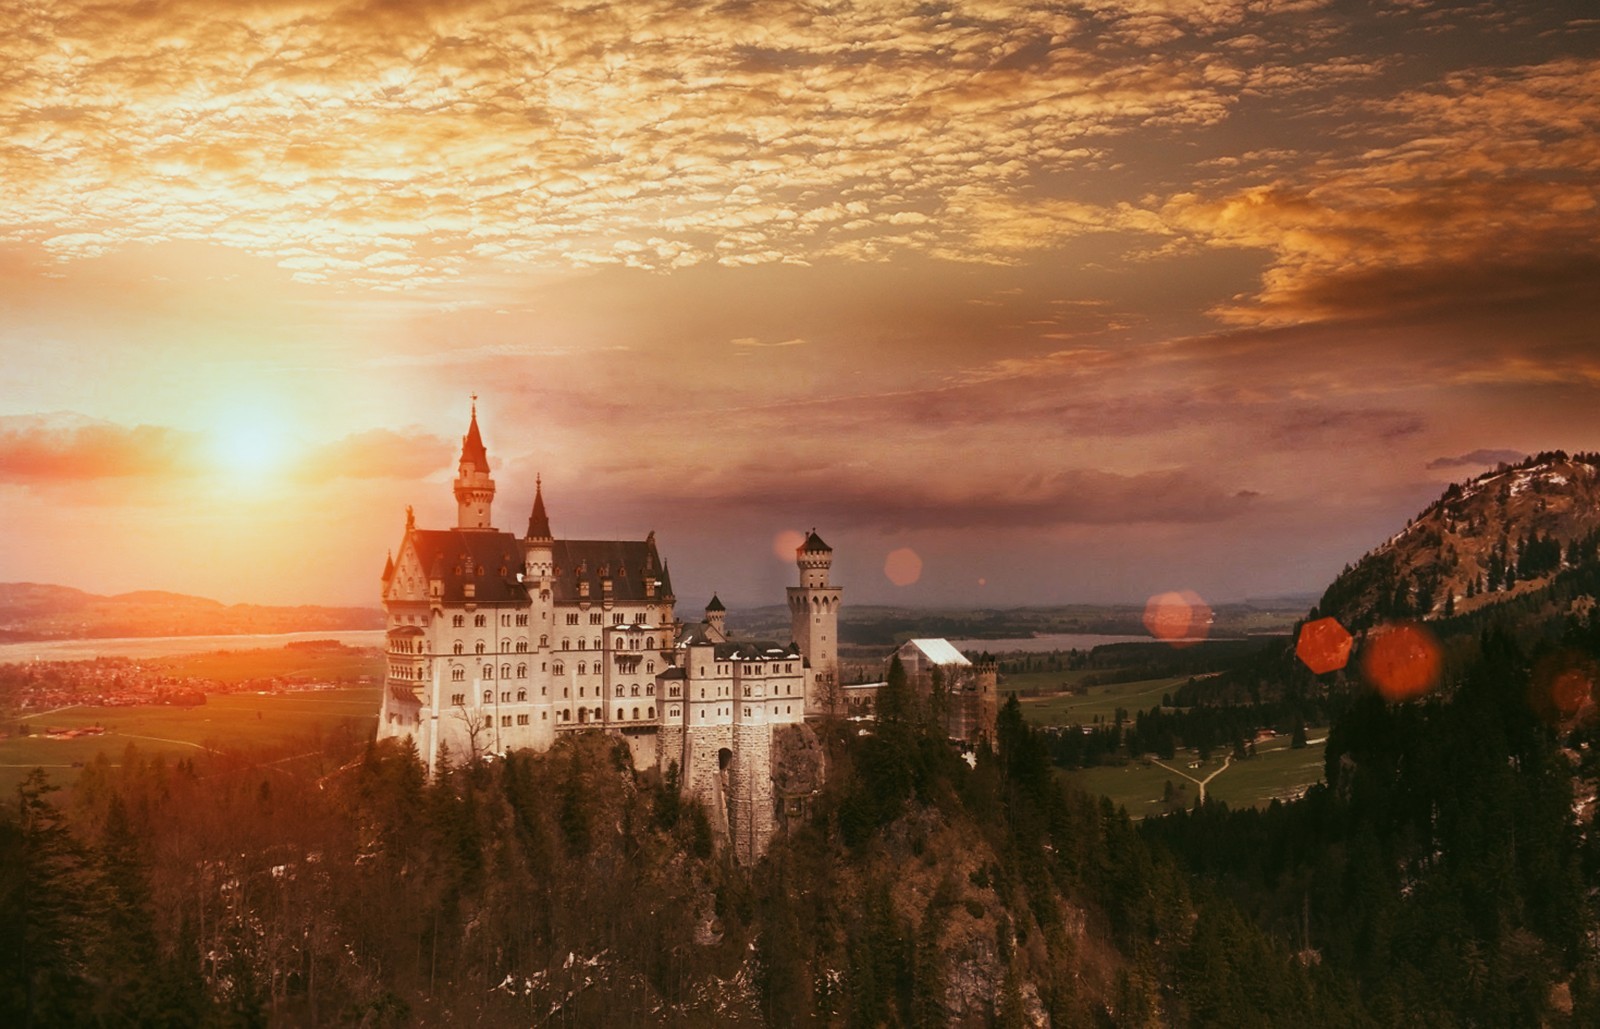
(250, 443)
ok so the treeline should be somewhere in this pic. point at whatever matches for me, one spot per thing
(1163, 731)
(1439, 867)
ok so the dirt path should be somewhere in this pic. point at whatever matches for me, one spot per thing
(1201, 783)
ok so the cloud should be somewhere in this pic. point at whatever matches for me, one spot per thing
(1477, 459)
(378, 454)
(36, 450)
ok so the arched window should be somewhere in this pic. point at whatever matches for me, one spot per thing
(458, 646)
(598, 714)
(560, 668)
(649, 643)
(479, 621)
(505, 645)
(522, 671)
(581, 645)
(566, 644)
(458, 674)
(544, 641)
(635, 689)
(649, 689)
(458, 621)
(619, 714)
(650, 712)
(619, 691)
(522, 695)
(478, 647)
(597, 643)
(522, 646)
(488, 696)
(488, 671)
(636, 714)
(505, 671)
(649, 666)
(582, 667)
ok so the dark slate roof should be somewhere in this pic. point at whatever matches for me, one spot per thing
(457, 556)
(402, 695)
(673, 673)
(406, 630)
(388, 568)
(756, 650)
(472, 452)
(627, 563)
(814, 544)
(715, 605)
(538, 521)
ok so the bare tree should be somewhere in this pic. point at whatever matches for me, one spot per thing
(474, 722)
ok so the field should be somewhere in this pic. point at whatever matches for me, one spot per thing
(1276, 771)
(282, 723)
(331, 664)
(1081, 708)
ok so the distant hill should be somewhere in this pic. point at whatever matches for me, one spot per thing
(36, 611)
(1504, 534)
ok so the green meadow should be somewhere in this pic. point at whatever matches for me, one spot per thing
(277, 726)
(1276, 772)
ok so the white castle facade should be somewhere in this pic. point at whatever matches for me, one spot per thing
(498, 641)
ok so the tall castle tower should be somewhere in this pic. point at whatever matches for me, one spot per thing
(814, 622)
(474, 489)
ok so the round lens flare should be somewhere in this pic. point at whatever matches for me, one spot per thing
(786, 543)
(1324, 645)
(1562, 687)
(1401, 661)
(903, 566)
(1178, 618)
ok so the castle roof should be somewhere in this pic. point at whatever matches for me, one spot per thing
(538, 521)
(489, 560)
(472, 452)
(628, 564)
(814, 544)
(715, 605)
(938, 651)
(756, 650)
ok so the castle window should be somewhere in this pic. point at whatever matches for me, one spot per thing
(457, 646)
(747, 712)
(650, 712)
(544, 716)
(594, 618)
(488, 671)
(522, 719)
(522, 671)
(572, 619)
(479, 620)
(522, 646)
(522, 619)
(580, 691)
(505, 698)
(504, 619)
(505, 671)
(702, 693)
(649, 643)
(505, 720)
(582, 667)
(597, 645)
(619, 689)
(566, 714)
(635, 689)
(488, 696)
(617, 619)
(636, 714)
(478, 647)
(581, 644)
(458, 699)
(649, 666)
(522, 695)
(619, 714)
(565, 692)
(458, 621)
(458, 674)
(672, 713)
(566, 644)
(560, 668)
(544, 641)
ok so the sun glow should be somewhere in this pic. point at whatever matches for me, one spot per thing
(250, 443)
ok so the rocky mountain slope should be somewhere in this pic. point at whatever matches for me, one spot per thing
(1505, 533)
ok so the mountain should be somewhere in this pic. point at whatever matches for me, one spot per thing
(1506, 533)
(37, 611)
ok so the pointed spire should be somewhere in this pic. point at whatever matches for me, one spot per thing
(472, 452)
(538, 521)
(388, 567)
(715, 605)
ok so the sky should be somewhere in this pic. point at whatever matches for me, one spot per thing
(1013, 302)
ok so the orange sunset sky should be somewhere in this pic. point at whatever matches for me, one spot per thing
(1073, 301)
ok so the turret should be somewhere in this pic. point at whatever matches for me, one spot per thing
(814, 558)
(716, 616)
(814, 623)
(539, 545)
(473, 488)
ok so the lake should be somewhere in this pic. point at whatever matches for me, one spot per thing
(168, 646)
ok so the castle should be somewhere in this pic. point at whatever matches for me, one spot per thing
(498, 642)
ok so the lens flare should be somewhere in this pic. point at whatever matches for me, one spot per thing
(1324, 645)
(903, 566)
(1401, 661)
(1562, 687)
(1178, 617)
